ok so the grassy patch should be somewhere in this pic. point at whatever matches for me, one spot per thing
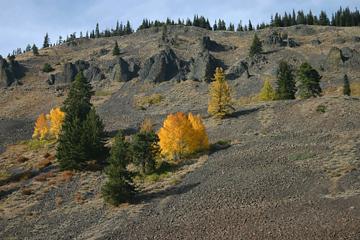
(143, 102)
(163, 171)
(102, 93)
(35, 144)
(321, 108)
(301, 156)
(4, 175)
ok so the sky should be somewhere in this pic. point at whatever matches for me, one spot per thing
(25, 22)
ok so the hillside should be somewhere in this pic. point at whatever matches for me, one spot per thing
(290, 169)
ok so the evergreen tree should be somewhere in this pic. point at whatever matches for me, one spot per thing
(240, 27)
(256, 46)
(28, 48)
(267, 93)
(82, 136)
(250, 27)
(46, 41)
(119, 187)
(93, 136)
(144, 150)
(35, 50)
(308, 82)
(220, 99)
(116, 50)
(346, 88)
(97, 31)
(286, 88)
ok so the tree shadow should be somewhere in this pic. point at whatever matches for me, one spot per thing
(240, 113)
(125, 132)
(175, 190)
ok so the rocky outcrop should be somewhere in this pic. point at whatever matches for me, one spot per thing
(161, 67)
(10, 72)
(203, 67)
(123, 71)
(345, 57)
(92, 73)
(207, 44)
(237, 70)
(280, 40)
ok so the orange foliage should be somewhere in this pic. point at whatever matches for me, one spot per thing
(41, 127)
(56, 118)
(182, 135)
(49, 125)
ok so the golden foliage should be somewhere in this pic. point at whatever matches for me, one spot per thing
(41, 129)
(49, 126)
(56, 118)
(220, 98)
(182, 135)
(267, 92)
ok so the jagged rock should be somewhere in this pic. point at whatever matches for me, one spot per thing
(94, 73)
(207, 44)
(237, 70)
(351, 58)
(121, 71)
(315, 42)
(346, 57)
(275, 38)
(10, 72)
(356, 39)
(334, 59)
(163, 66)
(290, 42)
(203, 67)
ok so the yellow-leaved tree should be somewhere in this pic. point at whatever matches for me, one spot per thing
(41, 129)
(220, 98)
(182, 135)
(56, 118)
(267, 92)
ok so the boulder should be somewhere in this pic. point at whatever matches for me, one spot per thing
(10, 72)
(275, 38)
(334, 59)
(121, 72)
(346, 57)
(207, 44)
(237, 70)
(202, 68)
(94, 74)
(315, 42)
(163, 66)
(70, 70)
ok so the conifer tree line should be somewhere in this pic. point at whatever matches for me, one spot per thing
(344, 17)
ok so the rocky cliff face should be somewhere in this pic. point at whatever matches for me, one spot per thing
(10, 72)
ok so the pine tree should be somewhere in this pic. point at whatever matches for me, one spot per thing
(144, 150)
(28, 48)
(220, 99)
(93, 136)
(82, 134)
(35, 50)
(119, 187)
(250, 28)
(116, 50)
(346, 88)
(97, 31)
(308, 82)
(286, 88)
(267, 93)
(256, 46)
(46, 41)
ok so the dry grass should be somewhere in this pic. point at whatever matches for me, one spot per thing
(58, 201)
(79, 198)
(247, 100)
(44, 177)
(143, 102)
(43, 163)
(22, 159)
(27, 191)
(66, 176)
(147, 125)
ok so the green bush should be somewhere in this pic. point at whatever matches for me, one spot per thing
(47, 68)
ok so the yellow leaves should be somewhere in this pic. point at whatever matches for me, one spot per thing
(56, 118)
(182, 135)
(220, 98)
(50, 125)
(267, 93)
(41, 127)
